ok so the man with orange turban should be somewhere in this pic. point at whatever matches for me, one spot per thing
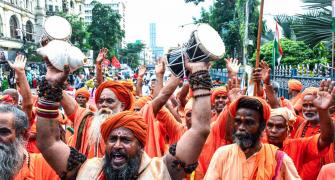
(125, 136)
(82, 96)
(218, 99)
(110, 98)
(248, 158)
(294, 90)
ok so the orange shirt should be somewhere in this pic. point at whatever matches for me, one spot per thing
(304, 151)
(36, 169)
(80, 114)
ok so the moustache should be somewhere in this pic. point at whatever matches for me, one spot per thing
(105, 111)
(242, 135)
(118, 153)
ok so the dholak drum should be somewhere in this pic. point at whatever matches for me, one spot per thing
(56, 27)
(205, 44)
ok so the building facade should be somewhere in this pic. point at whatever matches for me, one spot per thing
(156, 51)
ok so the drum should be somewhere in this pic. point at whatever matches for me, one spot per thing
(205, 44)
(56, 28)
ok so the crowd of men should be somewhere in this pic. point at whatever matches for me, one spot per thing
(178, 131)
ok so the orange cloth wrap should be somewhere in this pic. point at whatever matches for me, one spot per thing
(7, 99)
(140, 102)
(295, 85)
(218, 91)
(309, 91)
(84, 92)
(266, 108)
(121, 92)
(127, 119)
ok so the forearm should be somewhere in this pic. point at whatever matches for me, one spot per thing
(98, 73)
(326, 129)
(165, 93)
(68, 104)
(139, 86)
(173, 112)
(54, 151)
(183, 94)
(25, 92)
(194, 139)
(271, 96)
(159, 84)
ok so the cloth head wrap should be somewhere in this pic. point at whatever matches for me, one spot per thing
(6, 99)
(121, 92)
(127, 119)
(285, 113)
(140, 102)
(309, 91)
(218, 91)
(295, 85)
(266, 108)
(84, 92)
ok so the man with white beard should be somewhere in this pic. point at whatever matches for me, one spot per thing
(110, 98)
(15, 162)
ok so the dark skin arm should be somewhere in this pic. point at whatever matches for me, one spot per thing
(164, 95)
(101, 56)
(270, 93)
(190, 144)
(175, 114)
(324, 100)
(139, 84)
(160, 70)
(55, 151)
(22, 83)
(183, 94)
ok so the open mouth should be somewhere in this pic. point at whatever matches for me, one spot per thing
(309, 115)
(118, 159)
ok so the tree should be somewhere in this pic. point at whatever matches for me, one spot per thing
(130, 54)
(105, 29)
(79, 36)
(295, 52)
(196, 2)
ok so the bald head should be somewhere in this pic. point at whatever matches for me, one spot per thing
(14, 94)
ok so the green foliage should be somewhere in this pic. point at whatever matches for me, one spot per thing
(227, 17)
(30, 51)
(80, 35)
(105, 28)
(196, 2)
(130, 54)
(295, 52)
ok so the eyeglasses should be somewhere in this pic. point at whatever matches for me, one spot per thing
(108, 101)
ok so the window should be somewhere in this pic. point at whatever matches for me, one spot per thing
(29, 31)
(56, 8)
(51, 8)
(13, 23)
(71, 4)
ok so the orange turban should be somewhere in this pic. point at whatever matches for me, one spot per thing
(127, 119)
(266, 108)
(121, 92)
(129, 85)
(84, 92)
(142, 101)
(295, 85)
(218, 91)
(309, 91)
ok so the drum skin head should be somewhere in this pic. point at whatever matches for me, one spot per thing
(57, 28)
(210, 41)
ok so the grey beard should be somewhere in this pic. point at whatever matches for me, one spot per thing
(245, 140)
(11, 158)
(128, 172)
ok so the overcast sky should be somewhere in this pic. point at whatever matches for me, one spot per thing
(170, 15)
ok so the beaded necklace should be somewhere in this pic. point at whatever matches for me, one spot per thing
(305, 129)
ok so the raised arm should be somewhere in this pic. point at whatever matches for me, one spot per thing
(23, 85)
(189, 146)
(98, 71)
(323, 101)
(269, 92)
(69, 104)
(183, 94)
(55, 151)
(159, 70)
(233, 67)
(164, 95)
(139, 84)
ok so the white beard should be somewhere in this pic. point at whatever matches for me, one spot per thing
(94, 130)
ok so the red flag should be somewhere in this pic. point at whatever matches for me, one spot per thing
(106, 62)
(116, 63)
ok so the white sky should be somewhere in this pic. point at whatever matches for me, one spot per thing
(169, 15)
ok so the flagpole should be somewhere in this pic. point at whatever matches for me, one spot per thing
(259, 36)
(333, 30)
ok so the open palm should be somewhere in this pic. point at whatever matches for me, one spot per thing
(160, 67)
(232, 65)
(141, 71)
(266, 72)
(19, 64)
(325, 96)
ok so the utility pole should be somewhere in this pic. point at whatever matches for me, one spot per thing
(246, 34)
